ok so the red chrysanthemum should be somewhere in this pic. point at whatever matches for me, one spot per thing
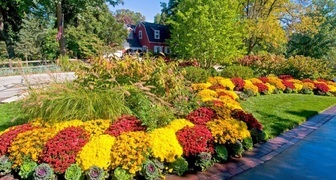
(250, 121)
(125, 123)
(201, 115)
(239, 83)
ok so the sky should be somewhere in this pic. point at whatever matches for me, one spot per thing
(148, 8)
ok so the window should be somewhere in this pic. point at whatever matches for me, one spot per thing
(144, 49)
(140, 34)
(167, 50)
(157, 49)
(156, 34)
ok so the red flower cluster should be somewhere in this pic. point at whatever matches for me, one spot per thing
(125, 123)
(201, 115)
(307, 80)
(195, 140)
(7, 137)
(264, 79)
(322, 80)
(60, 151)
(288, 84)
(238, 82)
(285, 77)
(262, 88)
(321, 87)
(250, 121)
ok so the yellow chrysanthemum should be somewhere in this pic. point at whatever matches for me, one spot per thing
(179, 124)
(255, 80)
(165, 146)
(231, 94)
(207, 94)
(96, 152)
(201, 86)
(271, 88)
(96, 127)
(227, 83)
(308, 85)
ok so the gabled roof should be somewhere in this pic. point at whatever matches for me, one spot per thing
(151, 27)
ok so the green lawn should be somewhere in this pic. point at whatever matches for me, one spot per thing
(281, 112)
(9, 115)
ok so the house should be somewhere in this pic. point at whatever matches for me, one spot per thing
(147, 37)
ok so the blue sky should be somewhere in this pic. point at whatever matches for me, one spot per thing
(148, 8)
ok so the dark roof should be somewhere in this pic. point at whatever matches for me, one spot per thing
(164, 31)
(134, 42)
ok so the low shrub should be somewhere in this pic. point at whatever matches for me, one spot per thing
(237, 71)
(196, 74)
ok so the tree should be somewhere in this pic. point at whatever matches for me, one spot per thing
(126, 16)
(167, 12)
(207, 30)
(322, 42)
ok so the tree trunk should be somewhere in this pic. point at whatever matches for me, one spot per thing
(8, 41)
(60, 20)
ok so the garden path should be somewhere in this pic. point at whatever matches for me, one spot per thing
(305, 152)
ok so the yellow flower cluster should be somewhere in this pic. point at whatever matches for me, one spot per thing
(165, 146)
(298, 86)
(62, 125)
(215, 80)
(130, 151)
(96, 127)
(230, 103)
(255, 80)
(201, 86)
(249, 86)
(228, 130)
(96, 152)
(231, 94)
(308, 85)
(332, 88)
(271, 88)
(178, 124)
(207, 95)
(275, 81)
(227, 83)
(29, 144)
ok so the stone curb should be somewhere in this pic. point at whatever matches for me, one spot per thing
(261, 152)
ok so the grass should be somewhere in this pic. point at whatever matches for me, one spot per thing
(281, 112)
(9, 115)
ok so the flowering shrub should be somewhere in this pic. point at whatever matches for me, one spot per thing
(262, 88)
(227, 83)
(228, 130)
(179, 124)
(207, 95)
(264, 79)
(250, 121)
(7, 137)
(270, 87)
(321, 87)
(201, 115)
(288, 84)
(130, 151)
(29, 144)
(239, 83)
(62, 125)
(201, 86)
(195, 140)
(217, 86)
(96, 127)
(308, 85)
(230, 103)
(231, 94)
(61, 150)
(277, 83)
(255, 80)
(95, 152)
(125, 124)
(165, 145)
(285, 77)
(250, 87)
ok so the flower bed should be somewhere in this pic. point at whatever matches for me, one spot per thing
(100, 149)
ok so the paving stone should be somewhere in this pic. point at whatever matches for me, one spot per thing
(269, 156)
(236, 171)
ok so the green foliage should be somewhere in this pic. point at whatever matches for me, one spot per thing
(179, 166)
(186, 102)
(73, 172)
(27, 169)
(214, 37)
(204, 160)
(236, 149)
(196, 74)
(150, 170)
(152, 114)
(121, 174)
(61, 103)
(301, 67)
(5, 165)
(221, 153)
(126, 16)
(247, 143)
(237, 71)
(258, 135)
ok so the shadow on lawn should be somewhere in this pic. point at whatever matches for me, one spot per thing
(278, 125)
(12, 122)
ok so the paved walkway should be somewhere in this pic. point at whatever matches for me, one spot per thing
(306, 152)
